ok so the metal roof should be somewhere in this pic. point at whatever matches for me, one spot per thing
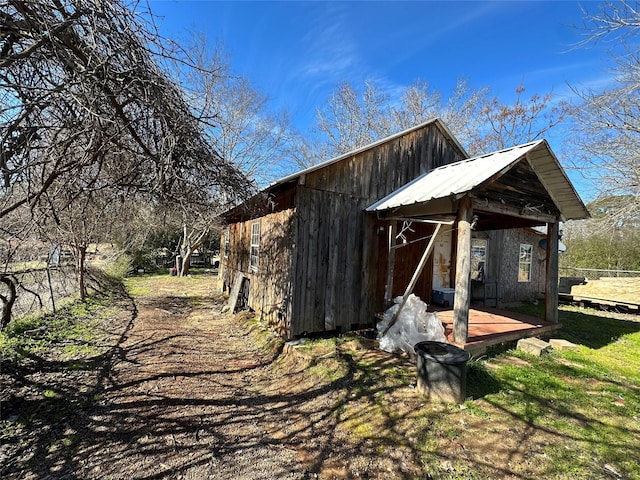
(457, 179)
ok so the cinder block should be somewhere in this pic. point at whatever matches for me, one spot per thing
(560, 344)
(534, 346)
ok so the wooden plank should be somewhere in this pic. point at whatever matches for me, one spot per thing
(391, 258)
(567, 297)
(491, 206)
(414, 278)
(325, 276)
(315, 278)
(235, 291)
(479, 347)
(370, 264)
(341, 234)
(275, 270)
(462, 297)
(290, 292)
(551, 284)
(302, 264)
(626, 290)
(350, 290)
(366, 177)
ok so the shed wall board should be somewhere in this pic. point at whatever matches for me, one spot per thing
(442, 267)
(270, 286)
(507, 255)
(339, 277)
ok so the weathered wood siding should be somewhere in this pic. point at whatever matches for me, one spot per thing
(270, 285)
(337, 252)
(503, 249)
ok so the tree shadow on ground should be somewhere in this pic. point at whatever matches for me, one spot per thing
(591, 328)
(164, 403)
(111, 422)
(480, 381)
(594, 331)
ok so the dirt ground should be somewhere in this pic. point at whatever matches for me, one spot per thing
(185, 391)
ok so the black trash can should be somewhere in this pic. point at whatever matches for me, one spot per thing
(442, 371)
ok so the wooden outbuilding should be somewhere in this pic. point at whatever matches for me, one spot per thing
(327, 248)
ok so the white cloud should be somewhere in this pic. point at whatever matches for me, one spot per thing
(329, 53)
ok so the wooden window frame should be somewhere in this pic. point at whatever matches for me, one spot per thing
(227, 241)
(254, 249)
(525, 259)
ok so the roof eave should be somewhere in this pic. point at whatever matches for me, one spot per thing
(581, 211)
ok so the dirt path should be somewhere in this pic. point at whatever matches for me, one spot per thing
(184, 391)
(188, 397)
(175, 389)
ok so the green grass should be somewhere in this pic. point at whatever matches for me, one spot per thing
(73, 329)
(585, 404)
(42, 358)
(588, 399)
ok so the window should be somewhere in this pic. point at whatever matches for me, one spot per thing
(227, 241)
(478, 258)
(524, 263)
(255, 246)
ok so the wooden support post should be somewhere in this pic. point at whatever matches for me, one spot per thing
(391, 260)
(462, 297)
(551, 284)
(414, 279)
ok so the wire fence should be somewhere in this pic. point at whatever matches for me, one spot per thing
(41, 290)
(597, 273)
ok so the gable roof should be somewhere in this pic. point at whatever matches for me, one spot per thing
(435, 121)
(465, 176)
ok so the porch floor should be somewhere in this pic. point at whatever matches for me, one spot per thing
(490, 326)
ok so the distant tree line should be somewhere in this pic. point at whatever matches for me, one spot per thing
(607, 241)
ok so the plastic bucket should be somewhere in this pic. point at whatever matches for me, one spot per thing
(442, 371)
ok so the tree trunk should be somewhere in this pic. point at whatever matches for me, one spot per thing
(81, 253)
(186, 260)
(7, 302)
(185, 253)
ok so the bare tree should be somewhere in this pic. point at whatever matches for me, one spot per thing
(418, 103)
(81, 78)
(88, 104)
(461, 111)
(305, 151)
(77, 217)
(606, 126)
(502, 125)
(351, 119)
(243, 129)
(237, 121)
(196, 227)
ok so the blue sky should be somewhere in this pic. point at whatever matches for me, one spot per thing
(297, 52)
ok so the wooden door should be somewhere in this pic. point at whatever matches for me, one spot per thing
(442, 259)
